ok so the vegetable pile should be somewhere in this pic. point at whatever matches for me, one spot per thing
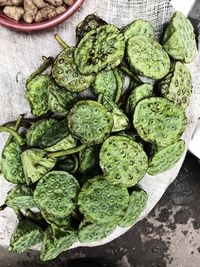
(77, 164)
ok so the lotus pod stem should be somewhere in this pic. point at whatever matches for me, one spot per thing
(66, 152)
(16, 128)
(60, 41)
(18, 138)
(131, 74)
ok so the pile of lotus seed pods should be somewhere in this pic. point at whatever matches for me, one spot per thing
(78, 162)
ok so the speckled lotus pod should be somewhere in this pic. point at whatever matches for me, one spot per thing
(89, 232)
(66, 75)
(160, 121)
(88, 158)
(57, 242)
(139, 27)
(147, 57)
(60, 99)
(90, 122)
(26, 235)
(179, 38)
(166, 158)
(37, 94)
(11, 164)
(138, 93)
(55, 194)
(123, 161)
(91, 22)
(138, 201)
(37, 130)
(36, 164)
(100, 49)
(102, 202)
(177, 85)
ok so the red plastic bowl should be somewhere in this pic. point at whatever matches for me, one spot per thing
(24, 27)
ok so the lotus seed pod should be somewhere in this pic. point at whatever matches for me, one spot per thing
(36, 164)
(100, 49)
(123, 161)
(102, 202)
(66, 75)
(90, 122)
(37, 94)
(88, 158)
(166, 158)
(179, 39)
(139, 93)
(138, 201)
(147, 57)
(56, 222)
(37, 130)
(55, 194)
(26, 235)
(139, 27)
(11, 164)
(160, 121)
(177, 85)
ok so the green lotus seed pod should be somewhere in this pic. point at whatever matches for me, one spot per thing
(26, 235)
(177, 85)
(55, 194)
(11, 164)
(179, 39)
(56, 222)
(37, 94)
(138, 201)
(147, 57)
(88, 158)
(66, 75)
(90, 122)
(139, 27)
(166, 158)
(36, 164)
(158, 120)
(100, 49)
(123, 161)
(102, 202)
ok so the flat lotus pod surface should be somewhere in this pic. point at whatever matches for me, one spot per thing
(138, 201)
(177, 85)
(26, 235)
(139, 27)
(166, 158)
(88, 158)
(65, 73)
(179, 38)
(102, 202)
(11, 164)
(55, 194)
(90, 122)
(160, 121)
(36, 164)
(37, 130)
(100, 49)
(123, 160)
(147, 57)
(37, 94)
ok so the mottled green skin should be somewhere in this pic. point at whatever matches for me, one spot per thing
(138, 93)
(37, 130)
(88, 158)
(11, 164)
(90, 122)
(100, 49)
(147, 57)
(177, 85)
(55, 221)
(139, 27)
(179, 39)
(37, 94)
(160, 121)
(26, 235)
(56, 193)
(138, 201)
(65, 73)
(123, 161)
(166, 158)
(36, 164)
(102, 202)
(56, 242)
